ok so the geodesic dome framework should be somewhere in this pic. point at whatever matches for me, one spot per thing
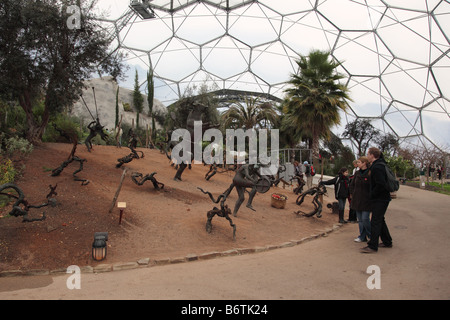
(395, 53)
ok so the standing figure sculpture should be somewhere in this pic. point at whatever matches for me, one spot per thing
(246, 177)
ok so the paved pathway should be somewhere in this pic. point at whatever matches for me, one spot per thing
(331, 267)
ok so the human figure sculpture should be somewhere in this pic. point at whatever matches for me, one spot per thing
(246, 177)
(95, 128)
(181, 167)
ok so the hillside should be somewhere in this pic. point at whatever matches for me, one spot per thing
(164, 224)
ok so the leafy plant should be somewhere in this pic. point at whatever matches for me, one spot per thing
(70, 125)
(16, 144)
(7, 171)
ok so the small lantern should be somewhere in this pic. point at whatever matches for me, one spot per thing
(99, 246)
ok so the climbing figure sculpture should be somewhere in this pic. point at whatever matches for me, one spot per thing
(95, 128)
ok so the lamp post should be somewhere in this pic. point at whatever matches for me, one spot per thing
(99, 246)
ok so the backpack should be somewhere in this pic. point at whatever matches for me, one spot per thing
(392, 183)
(313, 171)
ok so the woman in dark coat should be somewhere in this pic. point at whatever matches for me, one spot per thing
(360, 191)
(341, 190)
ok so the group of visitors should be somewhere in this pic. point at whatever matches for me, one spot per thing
(304, 170)
(367, 193)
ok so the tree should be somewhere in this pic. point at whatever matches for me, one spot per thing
(138, 100)
(41, 58)
(388, 143)
(150, 97)
(250, 114)
(361, 131)
(178, 112)
(399, 165)
(117, 108)
(315, 97)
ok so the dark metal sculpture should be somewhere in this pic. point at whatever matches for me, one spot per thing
(132, 143)
(300, 184)
(212, 171)
(57, 171)
(316, 192)
(223, 212)
(247, 177)
(94, 127)
(21, 207)
(74, 140)
(157, 185)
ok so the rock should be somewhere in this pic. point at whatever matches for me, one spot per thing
(105, 95)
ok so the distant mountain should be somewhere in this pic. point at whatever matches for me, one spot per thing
(105, 95)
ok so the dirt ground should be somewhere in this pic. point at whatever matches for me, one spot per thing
(156, 224)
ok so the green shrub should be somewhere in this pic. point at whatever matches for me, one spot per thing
(127, 107)
(15, 145)
(7, 171)
(70, 125)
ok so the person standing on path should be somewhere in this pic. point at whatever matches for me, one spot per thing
(360, 192)
(379, 199)
(341, 190)
(308, 175)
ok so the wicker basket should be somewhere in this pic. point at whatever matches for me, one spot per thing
(278, 203)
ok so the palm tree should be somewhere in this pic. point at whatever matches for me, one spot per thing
(315, 97)
(249, 114)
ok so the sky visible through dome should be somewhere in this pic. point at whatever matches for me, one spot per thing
(395, 54)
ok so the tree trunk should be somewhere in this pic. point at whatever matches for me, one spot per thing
(315, 152)
(34, 134)
(315, 146)
(35, 130)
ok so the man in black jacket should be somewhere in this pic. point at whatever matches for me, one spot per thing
(379, 201)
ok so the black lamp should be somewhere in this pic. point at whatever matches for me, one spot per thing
(99, 246)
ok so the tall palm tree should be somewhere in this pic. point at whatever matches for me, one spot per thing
(315, 97)
(250, 114)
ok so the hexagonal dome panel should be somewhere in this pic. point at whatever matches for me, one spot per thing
(395, 54)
